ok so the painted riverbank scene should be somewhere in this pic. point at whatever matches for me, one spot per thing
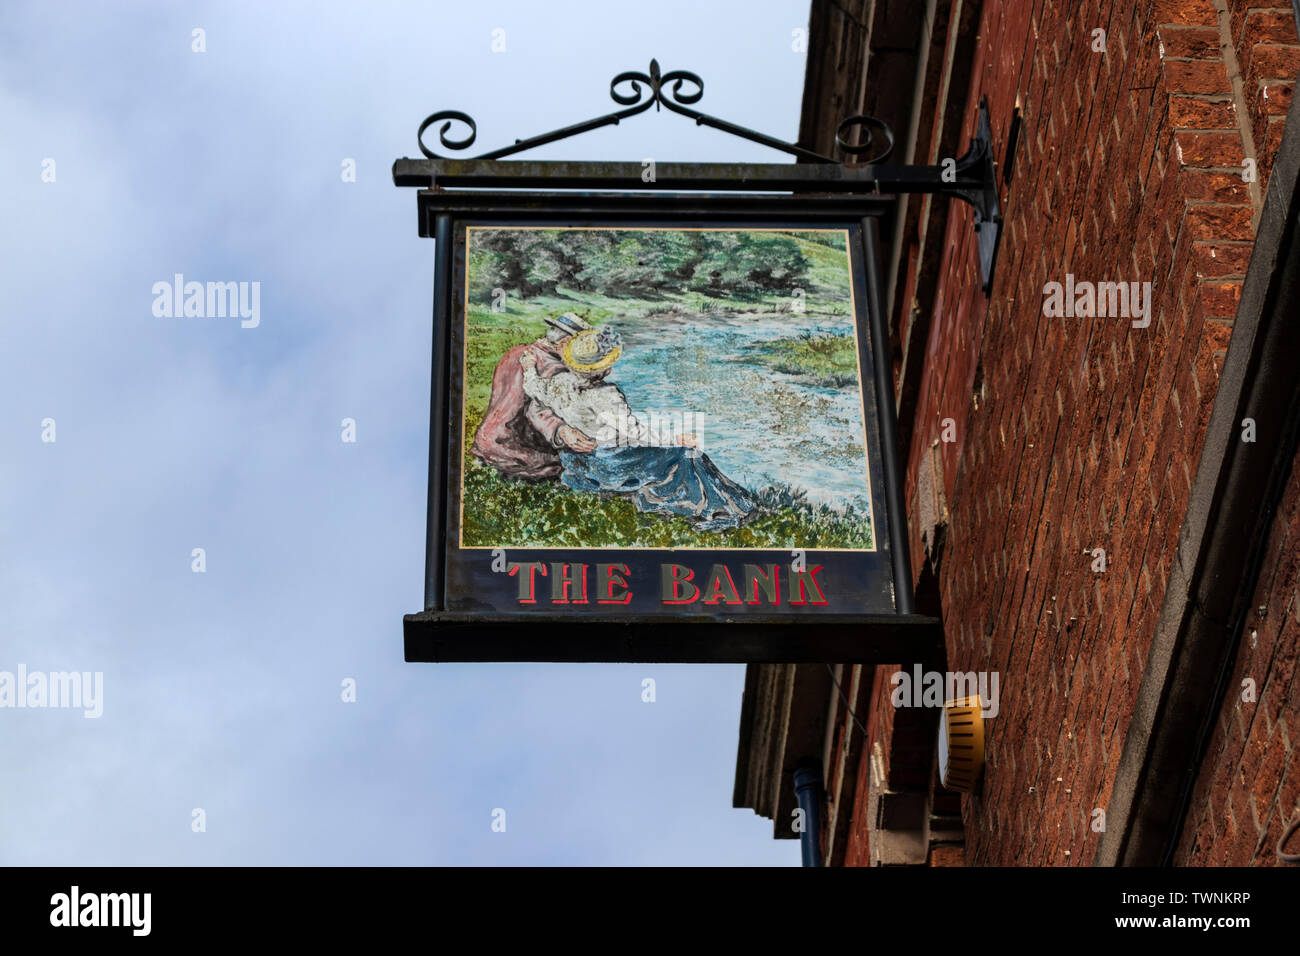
(662, 388)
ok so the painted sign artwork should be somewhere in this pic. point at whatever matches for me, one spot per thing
(681, 413)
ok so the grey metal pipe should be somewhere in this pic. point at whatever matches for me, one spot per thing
(808, 793)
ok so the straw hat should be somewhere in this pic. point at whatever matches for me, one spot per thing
(592, 351)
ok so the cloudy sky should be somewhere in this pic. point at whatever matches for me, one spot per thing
(222, 689)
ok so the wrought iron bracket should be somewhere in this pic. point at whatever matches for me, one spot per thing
(978, 164)
(972, 178)
(675, 90)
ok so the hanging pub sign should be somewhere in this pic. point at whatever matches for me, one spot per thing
(661, 422)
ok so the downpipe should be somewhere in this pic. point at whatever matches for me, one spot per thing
(808, 794)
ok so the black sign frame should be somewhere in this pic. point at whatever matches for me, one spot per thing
(442, 632)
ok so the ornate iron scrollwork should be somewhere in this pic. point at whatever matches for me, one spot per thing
(676, 90)
(449, 116)
(866, 123)
(656, 82)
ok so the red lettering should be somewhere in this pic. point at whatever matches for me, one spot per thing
(609, 575)
(672, 584)
(562, 583)
(716, 594)
(804, 578)
(769, 581)
(527, 594)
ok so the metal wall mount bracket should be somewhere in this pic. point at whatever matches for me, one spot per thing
(974, 179)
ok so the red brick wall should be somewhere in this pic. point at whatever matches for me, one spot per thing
(1248, 788)
(879, 723)
(1082, 433)
(1264, 41)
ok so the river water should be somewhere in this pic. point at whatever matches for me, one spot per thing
(759, 426)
